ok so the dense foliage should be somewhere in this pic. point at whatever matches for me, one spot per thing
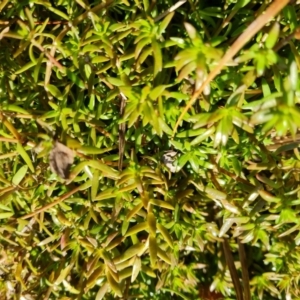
(220, 212)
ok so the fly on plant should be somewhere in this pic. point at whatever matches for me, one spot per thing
(169, 159)
(61, 159)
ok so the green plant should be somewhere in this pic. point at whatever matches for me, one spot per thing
(114, 81)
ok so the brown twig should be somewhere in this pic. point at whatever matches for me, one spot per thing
(287, 39)
(169, 10)
(245, 274)
(46, 207)
(232, 270)
(228, 254)
(51, 58)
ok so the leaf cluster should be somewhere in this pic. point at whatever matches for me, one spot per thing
(111, 79)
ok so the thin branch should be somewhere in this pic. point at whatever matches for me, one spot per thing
(228, 254)
(232, 270)
(51, 58)
(245, 274)
(59, 200)
(171, 9)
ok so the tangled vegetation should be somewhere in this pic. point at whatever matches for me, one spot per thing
(183, 118)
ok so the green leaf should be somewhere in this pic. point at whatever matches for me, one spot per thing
(163, 255)
(137, 228)
(166, 21)
(6, 215)
(136, 249)
(113, 284)
(102, 291)
(273, 36)
(153, 251)
(55, 92)
(95, 184)
(165, 128)
(58, 12)
(186, 70)
(115, 81)
(158, 60)
(18, 177)
(190, 133)
(165, 234)
(15, 108)
(107, 194)
(268, 196)
(156, 92)
(100, 59)
(134, 211)
(93, 150)
(162, 204)
(26, 67)
(136, 268)
(203, 136)
(75, 79)
(140, 46)
(25, 156)
(63, 274)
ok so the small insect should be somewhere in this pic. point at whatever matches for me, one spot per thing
(169, 159)
(61, 159)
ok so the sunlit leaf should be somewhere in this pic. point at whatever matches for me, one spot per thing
(18, 177)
